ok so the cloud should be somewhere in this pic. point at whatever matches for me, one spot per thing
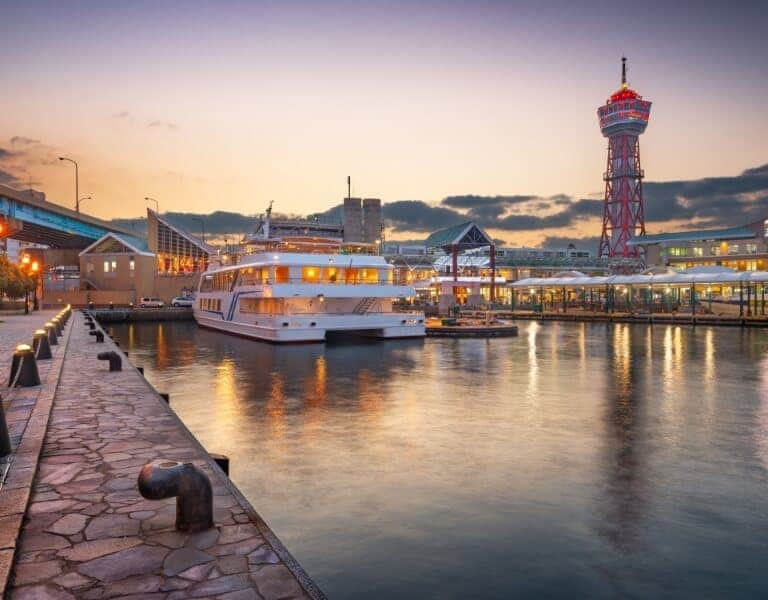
(472, 201)
(416, 215)
(8, 179)
(123, 114)
(163, 124)
(20, 140)
(709, 202)
(581, 243)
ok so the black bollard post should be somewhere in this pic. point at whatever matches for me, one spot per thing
(222, 460)
(99, 337)
(91, 325)
(5, 437)
(115, 362)
(40, 345)
(23, 367)
(50, 329)
(57, 325)
(194, 496)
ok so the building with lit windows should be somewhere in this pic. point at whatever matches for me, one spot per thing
(178, 252)
(739, 248)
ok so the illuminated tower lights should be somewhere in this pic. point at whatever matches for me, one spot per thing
(623, 118)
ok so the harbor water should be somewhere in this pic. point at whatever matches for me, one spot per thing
(576, 460)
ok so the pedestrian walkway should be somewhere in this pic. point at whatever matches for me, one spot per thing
(89, 534)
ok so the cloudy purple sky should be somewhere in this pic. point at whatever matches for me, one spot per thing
(228, 105)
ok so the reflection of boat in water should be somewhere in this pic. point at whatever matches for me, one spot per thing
(298, 289)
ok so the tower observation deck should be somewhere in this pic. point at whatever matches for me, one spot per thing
(623, 117)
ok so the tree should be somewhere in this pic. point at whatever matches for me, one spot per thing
(13, 282)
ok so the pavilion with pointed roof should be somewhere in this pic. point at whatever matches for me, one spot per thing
(466, 236)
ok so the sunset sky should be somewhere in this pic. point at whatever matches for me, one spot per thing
(227, 105)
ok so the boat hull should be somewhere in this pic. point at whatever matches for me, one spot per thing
(314, 328)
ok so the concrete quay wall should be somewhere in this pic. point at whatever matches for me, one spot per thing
(80, 527)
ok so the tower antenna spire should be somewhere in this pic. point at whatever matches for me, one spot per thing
(623, 72)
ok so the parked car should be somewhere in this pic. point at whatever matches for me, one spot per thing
(185, 301)
(151, 303)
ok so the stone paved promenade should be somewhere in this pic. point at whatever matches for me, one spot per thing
(89, 534)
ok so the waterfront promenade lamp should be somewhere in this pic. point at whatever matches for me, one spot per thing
(77, 182)
(157, 204)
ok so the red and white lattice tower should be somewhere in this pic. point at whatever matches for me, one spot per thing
(623, 118)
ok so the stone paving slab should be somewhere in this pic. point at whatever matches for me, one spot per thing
(89, 534)
(26, 412)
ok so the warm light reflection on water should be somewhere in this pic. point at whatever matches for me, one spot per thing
(577, 460)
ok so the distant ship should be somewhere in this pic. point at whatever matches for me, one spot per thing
(298, 289)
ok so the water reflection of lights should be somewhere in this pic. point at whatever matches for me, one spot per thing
(162, 348)
(621, 350)
(275, 405)
(533, 364)
(227, 403)
(673, 359)
(761, 430)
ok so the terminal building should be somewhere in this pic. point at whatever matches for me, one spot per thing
(739, 248)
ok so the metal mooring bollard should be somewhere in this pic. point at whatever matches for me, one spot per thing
(115, 362)
(5, 437)
(99, 335)
(57, 325)
(40, 345)
(91, 325)
(50, 329)
(222, 460)
(194, 497)
(23, 367)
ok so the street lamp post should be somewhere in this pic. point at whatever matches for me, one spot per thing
(157, 204)
(84, 198)
(77, 182)
(25, 264)
(35, 266)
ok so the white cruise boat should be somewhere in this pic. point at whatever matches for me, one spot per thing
(295, 296)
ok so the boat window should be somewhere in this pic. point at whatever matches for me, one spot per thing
(211, 304)
(206, 283)
(369, 275)
(350, 275)
(253, 276)
(264, 306)
(223, 281)
(389, 275)
(310, 274)
(331, 274)
(281, 274)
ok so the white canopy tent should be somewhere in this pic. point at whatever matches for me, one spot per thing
(695, 276)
